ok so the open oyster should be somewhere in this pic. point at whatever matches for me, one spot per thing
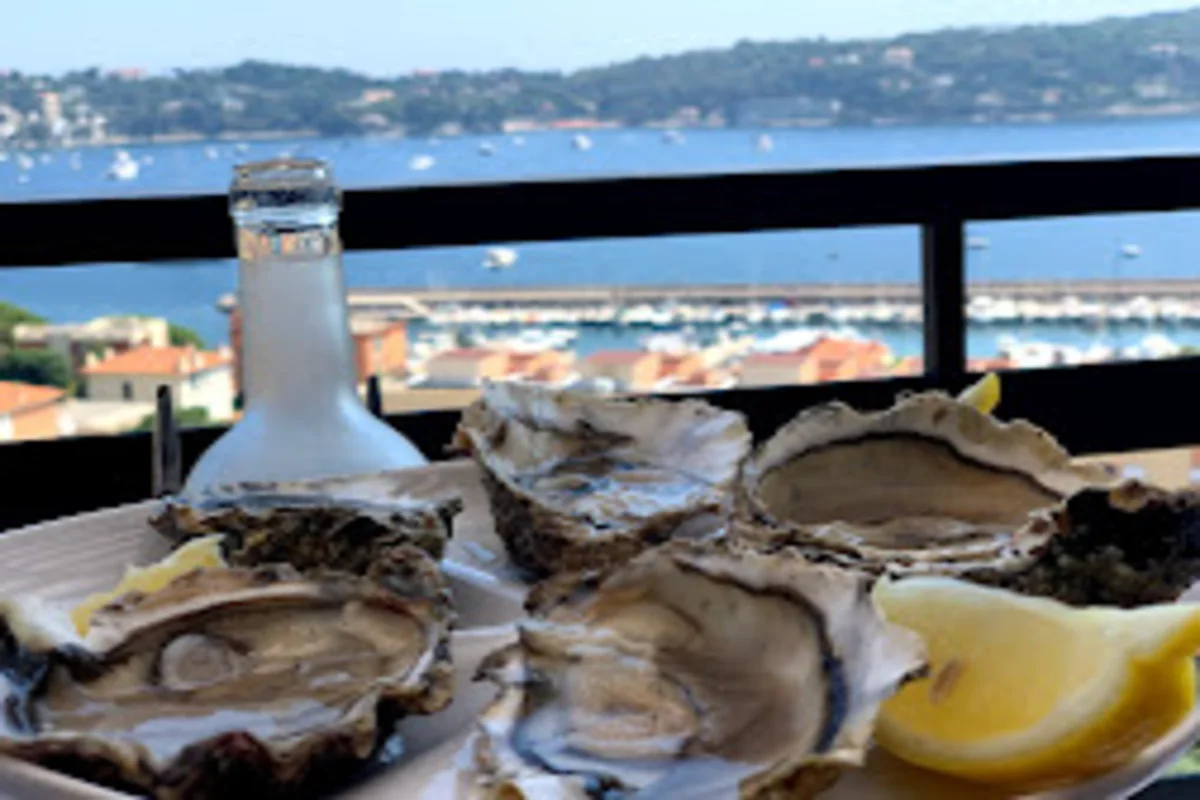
(235, 682)
(931, 484)
(339, 523)
(693, 669)
(578, 481)
(1129, 546)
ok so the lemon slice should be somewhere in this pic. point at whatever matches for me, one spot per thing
(984, 394)
(1030, 692)
(199, 553)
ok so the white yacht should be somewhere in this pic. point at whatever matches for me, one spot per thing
(673, 137)
(24, 162)
(421, 163)
(123, 167)
(581, 142)
(211, 153)
(764, 143)
(1131, 251)
(978, 243)
(500, 258)
(518, 141)
(487, 149)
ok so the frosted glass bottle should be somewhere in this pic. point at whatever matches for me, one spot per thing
(303, 417)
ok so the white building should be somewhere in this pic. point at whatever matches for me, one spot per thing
(197, 378)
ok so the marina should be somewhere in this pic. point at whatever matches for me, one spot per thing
(1088, 303)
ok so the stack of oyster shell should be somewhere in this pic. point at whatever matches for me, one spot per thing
(668, 656)
(700, 622)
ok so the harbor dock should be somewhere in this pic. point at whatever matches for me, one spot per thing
(1091, 289)
(1086, 302)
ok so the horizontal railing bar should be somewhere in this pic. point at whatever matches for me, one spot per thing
(1090, 409)
(197, 227)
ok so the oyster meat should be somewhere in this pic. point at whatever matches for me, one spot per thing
(229, 682)
(339, 523)
(694, 670)
(929, 485)
(579, 481)
(1130, 546)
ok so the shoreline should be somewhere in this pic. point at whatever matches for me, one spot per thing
(1121, 115)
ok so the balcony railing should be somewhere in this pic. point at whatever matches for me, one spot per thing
(1101, 408)
(1092, 409)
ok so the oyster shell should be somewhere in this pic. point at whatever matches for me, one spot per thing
(339, 523)
(929, 485)
(578, 481)
(1130, 546)
(243, 682)
(693, 667)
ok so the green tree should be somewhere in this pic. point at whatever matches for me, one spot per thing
(10, 317)
(193, 417)
(182, 337)
(41, 367)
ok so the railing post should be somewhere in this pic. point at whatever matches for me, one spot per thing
(943, 298)
(374, 396)
(166, 447)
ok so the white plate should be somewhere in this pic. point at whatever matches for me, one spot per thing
(64, 561)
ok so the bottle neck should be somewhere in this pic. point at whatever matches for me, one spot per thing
(296, 345)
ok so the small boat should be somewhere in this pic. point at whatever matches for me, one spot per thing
(45, 158)
(76, 161)
(765, 143)
(242, 147)
(487, 149)
(22, 177)
(518, 141)
(673, 137)
(581, 142)
(978, 243)
(500, 258)
(421, 163)
(123, 167)
(24, 162)
(147, 160)
(1131, 251)
(211, 153)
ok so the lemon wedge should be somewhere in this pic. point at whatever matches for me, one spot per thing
(1029, 692)
(984, 394)
(199, 553)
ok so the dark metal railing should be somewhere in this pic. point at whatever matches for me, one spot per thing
(1103, 408)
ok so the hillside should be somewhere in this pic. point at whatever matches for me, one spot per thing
(1116, 67)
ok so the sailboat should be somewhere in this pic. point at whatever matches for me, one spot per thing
(421, 163)
(123, 167)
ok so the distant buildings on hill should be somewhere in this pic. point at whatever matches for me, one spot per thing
(77, 340)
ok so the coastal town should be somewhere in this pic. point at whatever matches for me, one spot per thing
(119, 363)
(1131, 67)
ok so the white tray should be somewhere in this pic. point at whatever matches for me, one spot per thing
(66, 560)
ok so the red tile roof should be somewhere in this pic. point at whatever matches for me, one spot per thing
(149, 360)
(989, 364)
(618, 356)
(16, 397)
(777, 359)
(468, 354)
